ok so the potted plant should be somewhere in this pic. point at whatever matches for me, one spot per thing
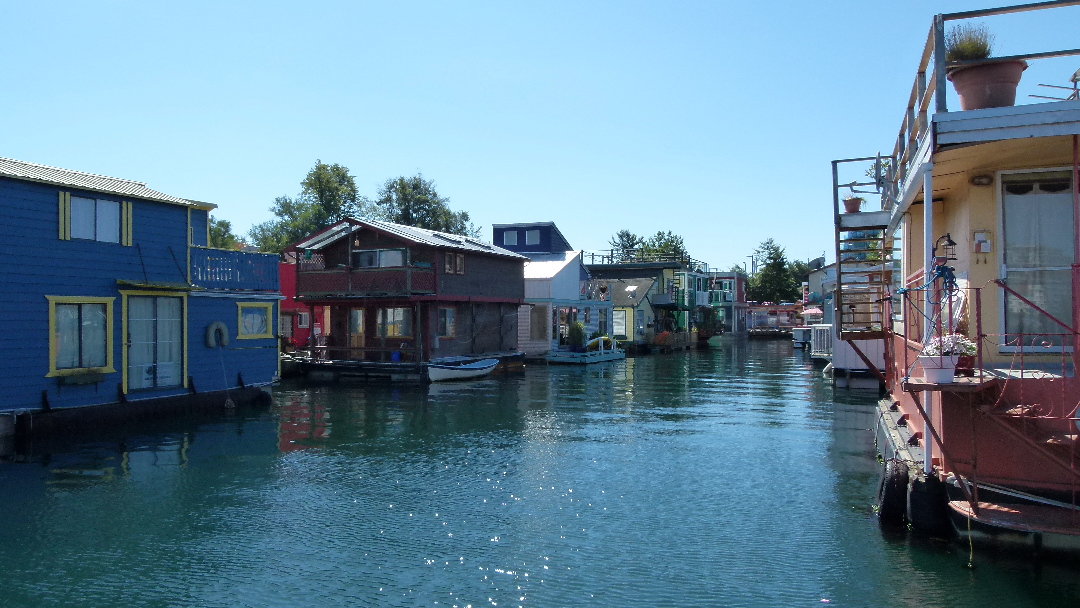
(938, 359)
(986, 85)
(852, 203)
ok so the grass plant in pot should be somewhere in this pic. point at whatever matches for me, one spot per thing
(852, 203)
(986, 85)
(938, 359)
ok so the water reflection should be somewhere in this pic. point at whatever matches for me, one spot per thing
(727, 477)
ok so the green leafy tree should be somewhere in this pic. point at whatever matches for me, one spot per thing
(624, 245)
(665, 244)
(221, 235)
(327, 194)
(773, 281)
(413, 201)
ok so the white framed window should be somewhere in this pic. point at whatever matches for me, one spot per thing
(447, 325)
(80, 331)
(303, 320)
(532, 237)
(510, 237)
(255, 320)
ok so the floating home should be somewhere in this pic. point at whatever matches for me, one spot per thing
(396, 297)
(558, 289)
(963, 263)
(121, 302)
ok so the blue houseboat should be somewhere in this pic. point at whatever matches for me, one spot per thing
(114, 299)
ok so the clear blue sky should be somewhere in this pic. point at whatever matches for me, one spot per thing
(716, 120)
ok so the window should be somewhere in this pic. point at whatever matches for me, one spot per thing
(601, 317)
(618, 323)
(379, 258)
(94, 219)
(446, 323)
(155, 329)
(532, 237)
(254, 320)
(303, 320)
(394, 323)
(539, 320)
(639, 320)
(586, 315)
(448, 266)
(459, 266)
(510, 237)
(285, 322)
(81, 337)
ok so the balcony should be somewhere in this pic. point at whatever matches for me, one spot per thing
(363, 282)
(234, 270)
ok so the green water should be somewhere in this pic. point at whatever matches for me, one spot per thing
(729, 477)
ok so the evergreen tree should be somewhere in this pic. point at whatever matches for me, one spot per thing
(413, 201)
(624, 245)
(773, 281)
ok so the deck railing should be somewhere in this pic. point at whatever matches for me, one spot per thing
(226, 269)
(642, 256)
(347, 281)
(930, 87)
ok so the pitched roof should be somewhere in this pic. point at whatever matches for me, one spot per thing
(629, 292)
(420, 236)
(89, 181)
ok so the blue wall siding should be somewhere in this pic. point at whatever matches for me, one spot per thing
(38, 263)
(216, 369)
(199, 220)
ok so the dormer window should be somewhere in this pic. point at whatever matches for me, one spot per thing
(510, 237)
(532, 237)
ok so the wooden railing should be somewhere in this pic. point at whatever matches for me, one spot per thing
(365, 281)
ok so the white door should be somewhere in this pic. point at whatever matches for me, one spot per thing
(155, 342)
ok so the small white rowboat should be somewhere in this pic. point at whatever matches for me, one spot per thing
(438, 372)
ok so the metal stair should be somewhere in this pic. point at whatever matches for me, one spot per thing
(863, 274)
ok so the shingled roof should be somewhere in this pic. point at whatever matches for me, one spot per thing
(18, 169)
(420, 236)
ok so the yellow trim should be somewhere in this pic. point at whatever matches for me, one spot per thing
(188, 248)
(64, 216)
(125, 239)
(124, 293)
(267, 306)
(109, 331)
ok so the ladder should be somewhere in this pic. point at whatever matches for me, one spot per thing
(863, 275)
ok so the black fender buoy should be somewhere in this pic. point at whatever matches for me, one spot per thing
(217, 334)
(892, 493)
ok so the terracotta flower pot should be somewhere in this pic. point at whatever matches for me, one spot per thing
(990, 85)
(852, 205)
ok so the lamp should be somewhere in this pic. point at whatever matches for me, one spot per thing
(981, 180)
(948, 245)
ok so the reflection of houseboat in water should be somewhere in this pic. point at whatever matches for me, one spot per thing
(976, 235)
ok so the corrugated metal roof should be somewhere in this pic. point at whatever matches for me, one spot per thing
(420, 236)
(88, 181)
(440, 239)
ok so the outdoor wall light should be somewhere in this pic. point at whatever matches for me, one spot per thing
(982, 180)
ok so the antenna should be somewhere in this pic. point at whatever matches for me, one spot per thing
(1074, 91)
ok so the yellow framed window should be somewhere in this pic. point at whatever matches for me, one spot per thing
(254, 320)
(80, 335)
(94, 219)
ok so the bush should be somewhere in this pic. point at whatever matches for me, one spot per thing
(967, 41)
(576, 334)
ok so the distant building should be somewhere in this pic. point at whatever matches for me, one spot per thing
(558, 289)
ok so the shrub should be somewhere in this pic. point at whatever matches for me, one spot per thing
(967, 41)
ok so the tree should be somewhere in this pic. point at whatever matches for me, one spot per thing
(221, 235)
(624, 245)
(327, 194)
(773, 281)
(666, 245)
(413, 201)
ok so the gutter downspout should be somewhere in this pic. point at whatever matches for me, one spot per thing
(928, 264)
(1076, 252)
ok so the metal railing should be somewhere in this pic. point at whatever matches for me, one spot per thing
(930, 86)
(642, 256)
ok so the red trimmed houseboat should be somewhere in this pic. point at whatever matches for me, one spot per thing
(975, 236)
